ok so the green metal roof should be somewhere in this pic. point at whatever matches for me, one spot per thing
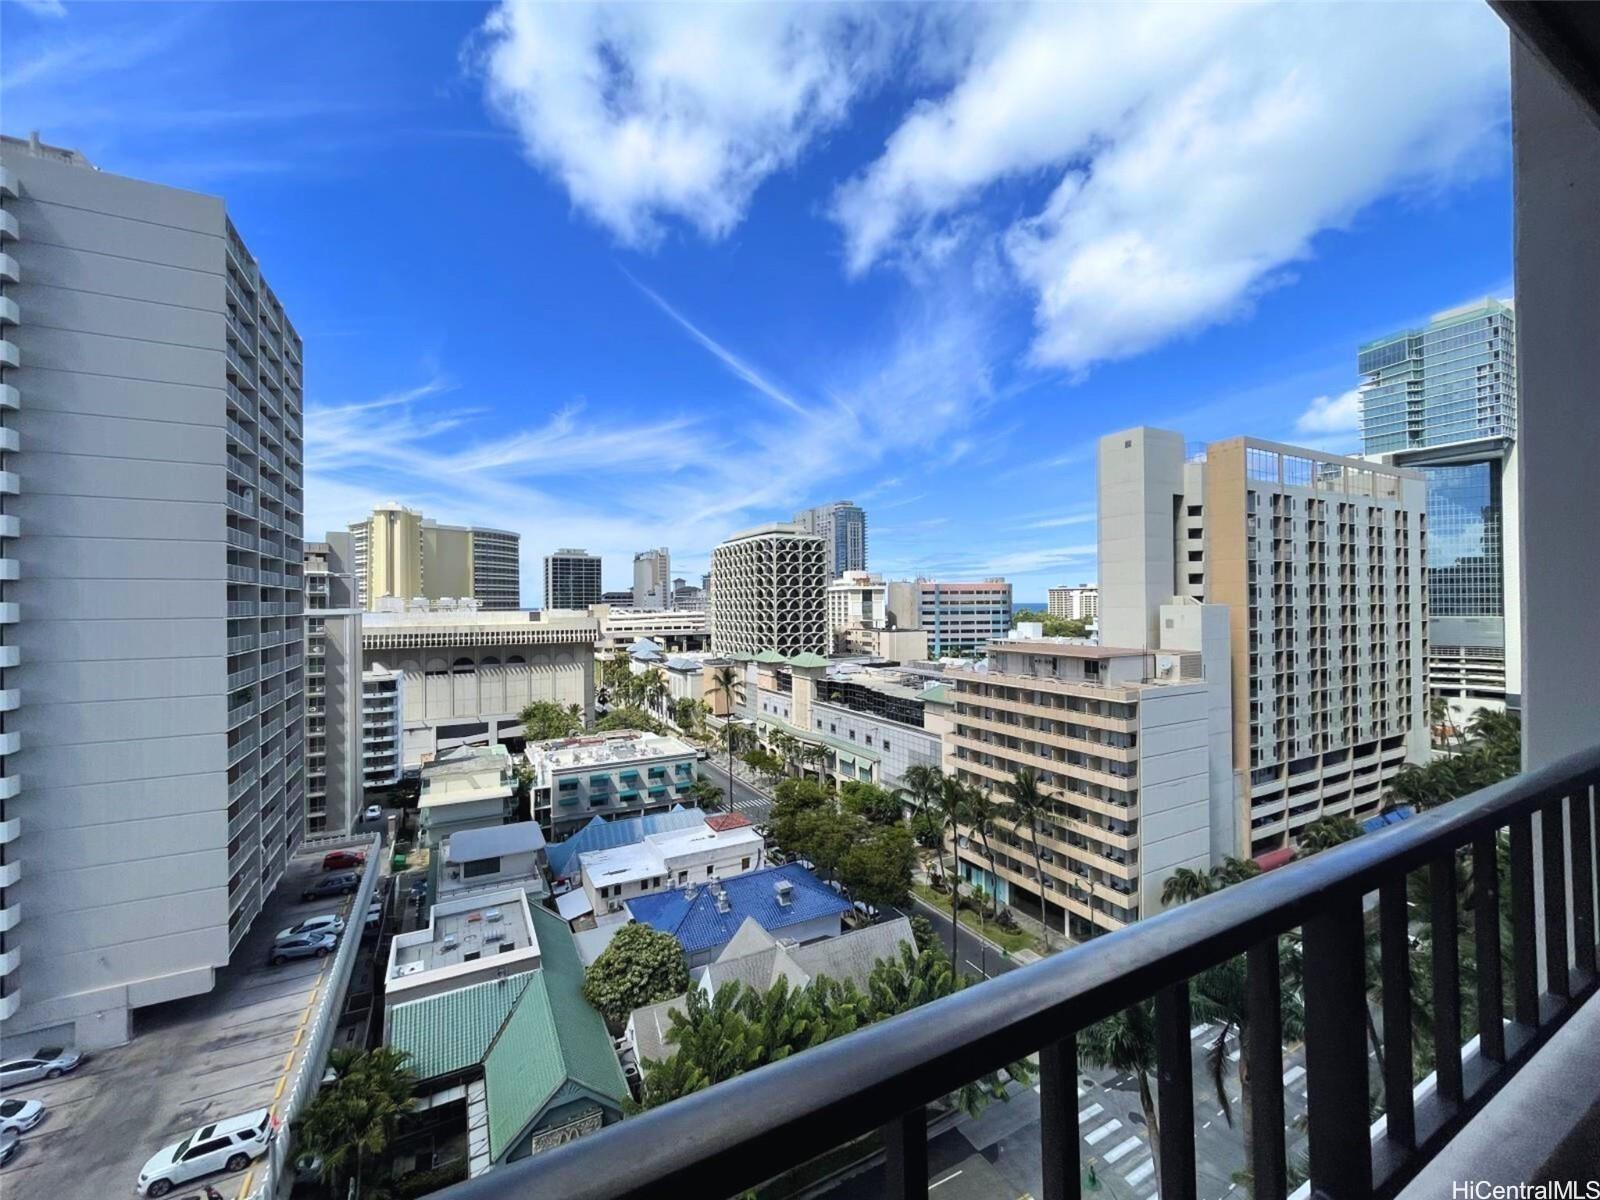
(550, 1037)
(452, 1030)
(770, 656)
(808, 659)
(938, 694)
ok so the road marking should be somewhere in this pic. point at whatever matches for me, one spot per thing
(1122, 1149)
(1105, 1131)
(946, 1179)
(1082, 1092)
(244, 1188)
(1197, 1031)
(1292, 1074)
(1233, 1056)
(1093, 1111)
(1142, 1172)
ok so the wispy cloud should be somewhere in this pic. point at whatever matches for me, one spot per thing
(1078, 518)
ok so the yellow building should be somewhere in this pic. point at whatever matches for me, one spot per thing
(400, 553)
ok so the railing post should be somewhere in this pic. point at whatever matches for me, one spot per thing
(1446, 971)
(1336, 1051)
(1582, 819)
(1558, 963)
(905, 1146)
(1175, 1092)
(1264, 1007)
(1394, 935)
(1524, 957)
(1486, 937)
(1058, 1118)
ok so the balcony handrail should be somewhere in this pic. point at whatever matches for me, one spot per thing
(741, 1132)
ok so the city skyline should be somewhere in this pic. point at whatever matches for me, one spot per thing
(923, 336)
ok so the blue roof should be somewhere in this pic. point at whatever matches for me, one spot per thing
(696, 923)
(601, 834)
(645, 648)
(1393, 817)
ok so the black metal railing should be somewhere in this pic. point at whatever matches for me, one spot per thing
(751, 1128)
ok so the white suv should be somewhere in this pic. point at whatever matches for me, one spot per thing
(228, 1145)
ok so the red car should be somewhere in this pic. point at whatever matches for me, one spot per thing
(343, 860)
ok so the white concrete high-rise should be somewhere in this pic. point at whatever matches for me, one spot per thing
(1320, 561)
(334, 776)
(1081, 603)
(768, 588)
(150, 390)
(652, 579)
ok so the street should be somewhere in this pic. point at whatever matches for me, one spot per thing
(975, 956)
(745, 798)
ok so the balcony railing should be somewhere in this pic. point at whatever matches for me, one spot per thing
(725, 1139)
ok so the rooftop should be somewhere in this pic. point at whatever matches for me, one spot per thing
(452, 1030)
(606, 750)
(464, 937)
(695, 917)
(495, 841)
(660, 853)
(601, 834)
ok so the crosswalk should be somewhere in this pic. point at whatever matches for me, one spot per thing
(1129, 1155)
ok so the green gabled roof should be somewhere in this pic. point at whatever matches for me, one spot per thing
(453, 1030)
(550, 1037)
(808, 659)
(770, 656)
(939, 693)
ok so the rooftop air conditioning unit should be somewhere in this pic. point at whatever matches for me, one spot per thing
(613, 906)
(722, 905)
(449, 942)
(493, 915)
(785, 892)
(495, 935)
(404, 969)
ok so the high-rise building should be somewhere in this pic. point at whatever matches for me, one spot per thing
(1081, 603)
(1442, 400)
(652, 579)
(150, 392)
(571, 579)
(398, 553)
(768, 589)
(962, 618)
(334, 770)
(867, 615)
(842, 526)
(1319, 560)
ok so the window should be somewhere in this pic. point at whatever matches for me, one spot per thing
(709, 870)
(683, 877)
(744, 864)
(852, 734)
(885, 743)
(205, 1148)
(483, 866)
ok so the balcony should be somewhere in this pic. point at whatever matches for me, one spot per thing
(740, 1133)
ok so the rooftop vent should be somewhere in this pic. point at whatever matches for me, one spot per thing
(493, 915)
(722, 903)
(785, 892)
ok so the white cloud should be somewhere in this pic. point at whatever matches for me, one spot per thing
(1195, 151)
(44, 8)
(648, 111)
(1332, 414)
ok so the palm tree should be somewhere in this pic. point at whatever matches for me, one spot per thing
(1029, 806)
(727, 684)
(653, 689)
(981, 811)
(950, 807)
(1325, 833)
(351, 1120)
(1126, 1043)
(1184, 885)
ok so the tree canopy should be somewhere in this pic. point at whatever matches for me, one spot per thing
(629, 716)
(544, 720)
(641, 966)
(351, 1120)
(1053, 626)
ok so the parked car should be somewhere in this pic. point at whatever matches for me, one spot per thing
(50, 1062)
(8, 1145)
(374, 813)
(332, 885)
(228, 1145)
(343, 860)
(20, 1115)
(702, 754)
(303, 945)
(373, 919)
(321, 923)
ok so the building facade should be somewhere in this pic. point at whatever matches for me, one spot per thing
(769, 592)
(465, 675)
(398, 553)
(962, 618)
(652, 579)
(1442, 400)
(671, 629)
(335, 780)
(626, 773)
(150, 396)
(571, 579)
(1320, 562)
(382, 731)
(1081, 603)
(842, 526)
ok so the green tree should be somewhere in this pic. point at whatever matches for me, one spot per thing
(640, 966)
(1126, 1043)
(981, 811)
(877, 866)
(727, 685)
(705, 794)
(1234, 870)
(793, 801)
(654, 689)
(629, 716)
(764, 763)
(1184, 885)
(1028, 806)
(688, 714)
(874, 804)
(1324, 833)
(949, 805)
(544, 720)
(1053, 626)
(351, 1120)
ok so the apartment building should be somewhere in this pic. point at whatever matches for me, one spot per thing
(962, 618)
(1320, 561)
(572, 579)
(398, 553)
(1121, 741)
(769, 592)
(465, 675)
(719, 848)
(1081, 603)
(652, 579)
(335, 779)
(150, 395)
(671, 629)
(382, 731)
(842, 526)
(626, 773)
(1442, 400)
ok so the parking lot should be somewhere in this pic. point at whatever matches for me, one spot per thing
(190, 1062)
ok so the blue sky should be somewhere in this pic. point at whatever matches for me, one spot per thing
(640, 276)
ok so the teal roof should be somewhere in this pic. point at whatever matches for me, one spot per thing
(551, 1036)
(450, 1031)
(770, 656)
(808, 659)
(939, 693)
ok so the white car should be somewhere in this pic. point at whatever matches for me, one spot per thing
(228, 1145)
(322, 923)
(20, 1115)
(48, 1063)
(374, 813)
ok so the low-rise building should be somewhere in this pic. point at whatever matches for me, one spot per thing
(720, 848)
(468, 939)
(469, 787)
(672, 629)
(564, 857)
(490, 858)
(608, 773)
(788, 901)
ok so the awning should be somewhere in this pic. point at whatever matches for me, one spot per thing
(599, 781)
(568, 801)
(658, 791)
(568, 785)
(631, 794)
(845, 757)
(685, 768)
(630, 774)
(574, 904)
(657, 772)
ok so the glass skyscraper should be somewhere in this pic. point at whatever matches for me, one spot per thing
(1443, 400)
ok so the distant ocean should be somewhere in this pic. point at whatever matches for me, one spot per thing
(1030, 605)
